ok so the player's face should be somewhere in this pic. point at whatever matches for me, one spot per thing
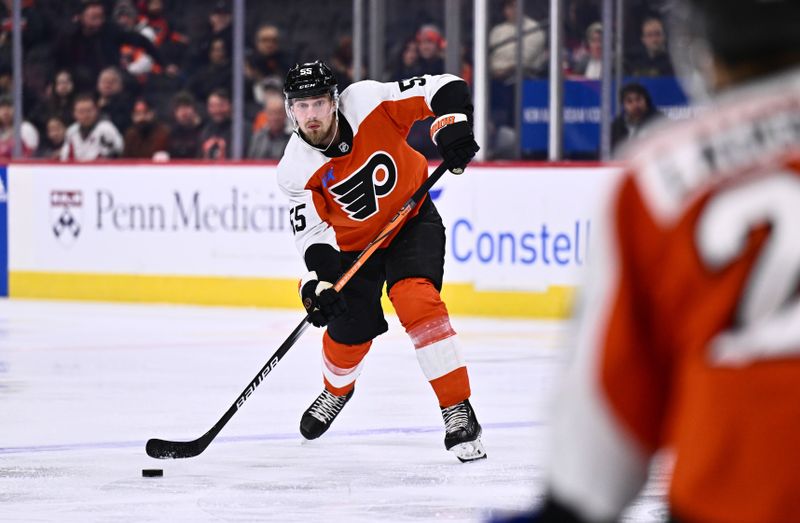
(315, 118)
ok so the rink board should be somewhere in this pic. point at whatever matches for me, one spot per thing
(518, 236)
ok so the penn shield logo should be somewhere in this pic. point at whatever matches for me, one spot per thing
(359, 193)
(66, 209)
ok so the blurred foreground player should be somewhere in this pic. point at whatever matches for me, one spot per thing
(689, 338)
(347, 170)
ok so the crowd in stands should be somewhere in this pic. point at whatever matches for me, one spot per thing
(119, 78)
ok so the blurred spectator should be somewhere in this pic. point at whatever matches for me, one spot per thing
(146, 136)
(219, 27)
(652, 58)
(419, 138)
(262, 117)
(341, 61)
(6, 78)
(30, 136)
(113, 101)
(92, 44)
(57, 100)
(578, 16)
(29, 99)
(271, 140)
(408, 65)
(589, 63)
(216, 139)
(52, 142)
(34, 28)
(172, 44)
(503, 45)
(637, 111)
(133, 59)
(430, 45)
(184, 138)
(216, 75)
(467, 71)
(164, 81)
(90, 138)
(267, 62)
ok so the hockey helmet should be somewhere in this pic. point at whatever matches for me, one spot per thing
(701, 29)
(770, 28)
(310, 79)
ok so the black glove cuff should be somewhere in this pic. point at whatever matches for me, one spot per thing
(454, 134)
(325, 260)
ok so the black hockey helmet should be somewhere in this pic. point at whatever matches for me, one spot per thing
(706, 31)
(309, 79)
(749, 30)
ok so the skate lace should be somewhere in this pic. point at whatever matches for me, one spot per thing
(455, 417)
(327, 406)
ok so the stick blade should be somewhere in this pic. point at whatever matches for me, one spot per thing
(163, 449)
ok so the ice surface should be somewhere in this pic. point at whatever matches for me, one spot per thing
(83, 386)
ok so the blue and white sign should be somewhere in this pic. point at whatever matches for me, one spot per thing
(520, 228)
(582, 111)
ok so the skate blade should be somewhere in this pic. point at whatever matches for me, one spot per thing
(469, 451)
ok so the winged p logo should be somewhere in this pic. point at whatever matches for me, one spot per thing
(358, 194)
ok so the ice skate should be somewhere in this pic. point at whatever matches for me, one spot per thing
(463, 432)
(319, 416)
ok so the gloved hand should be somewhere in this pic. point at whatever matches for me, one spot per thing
(321, 301)
(452, 134)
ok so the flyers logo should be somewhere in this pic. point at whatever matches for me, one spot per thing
(358, 194)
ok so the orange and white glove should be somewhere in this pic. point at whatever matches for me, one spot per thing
(452, 134)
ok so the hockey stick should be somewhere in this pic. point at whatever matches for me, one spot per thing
(164, 449)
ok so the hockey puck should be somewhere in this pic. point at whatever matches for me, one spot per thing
(152, 473)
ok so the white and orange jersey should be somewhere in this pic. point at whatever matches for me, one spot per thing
(345, 200)
(689, 335)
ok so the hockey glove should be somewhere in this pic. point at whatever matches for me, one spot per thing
(321, 301)
(452, 134)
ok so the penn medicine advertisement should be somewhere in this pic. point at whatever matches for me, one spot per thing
(510, 229)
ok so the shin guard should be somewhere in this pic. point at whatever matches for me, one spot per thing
(341, 364)
(424, 317)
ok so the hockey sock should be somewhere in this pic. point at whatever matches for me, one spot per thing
(341, 364)
(424, 316)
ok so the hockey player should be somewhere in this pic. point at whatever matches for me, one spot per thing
(689, 338)
(347, 170)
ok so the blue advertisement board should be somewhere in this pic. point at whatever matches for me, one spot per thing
(582, 111)
(3, 231)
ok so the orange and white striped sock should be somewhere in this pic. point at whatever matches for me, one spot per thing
(424, 316)
(341, 364)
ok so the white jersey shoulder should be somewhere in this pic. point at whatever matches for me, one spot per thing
(299, 162)
(361, 98)
(748, 126)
